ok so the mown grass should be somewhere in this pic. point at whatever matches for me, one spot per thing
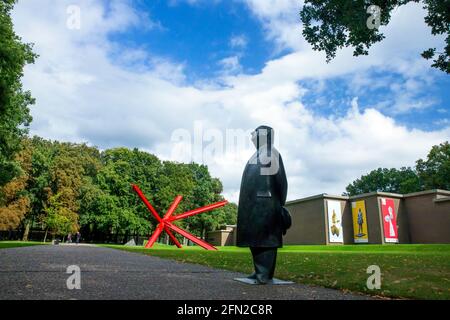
(408, 271)
(15, 244)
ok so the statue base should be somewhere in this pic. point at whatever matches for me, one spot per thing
(274, 281)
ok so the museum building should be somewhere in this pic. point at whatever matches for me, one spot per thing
(374, 218)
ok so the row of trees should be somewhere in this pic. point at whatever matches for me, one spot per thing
(66, 187)
(432, 173)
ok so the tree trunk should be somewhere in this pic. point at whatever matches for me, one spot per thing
(45, 237)
(185, 240)
(27, 231)
(202, 231)
(125, 239)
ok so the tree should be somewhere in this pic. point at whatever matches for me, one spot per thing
(15, 202)
(434, 172)
(108, 206)
(72, 167)
(59, 219)
(332, 24)
(57, 169)
(206, 190)
(14, 102)
(39, 183)
(226, 215)
(401, 181)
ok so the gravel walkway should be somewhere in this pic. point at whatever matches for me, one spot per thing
(39, 272)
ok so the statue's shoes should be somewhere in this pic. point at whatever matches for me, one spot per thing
(260, 280)
(252, 276)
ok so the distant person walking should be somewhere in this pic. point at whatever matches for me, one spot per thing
(78, 237)
(69, 237)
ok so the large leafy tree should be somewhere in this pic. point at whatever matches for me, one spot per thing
(39, 179)
(107, 205)
(434, 172)
(330, 25)
(58, 173)
(392, 180)
(72, 166)
(15, 202)
(206, 190)
(14, 101)
(59, 217)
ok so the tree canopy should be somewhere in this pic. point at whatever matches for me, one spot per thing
(66, 187)
(432, 173)
(14, 101)
(392, 180)
(330, 25)
(15, 200)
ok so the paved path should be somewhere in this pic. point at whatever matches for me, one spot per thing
(39, 272)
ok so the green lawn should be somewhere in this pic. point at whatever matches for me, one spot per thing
(14, 244)
(408, 271)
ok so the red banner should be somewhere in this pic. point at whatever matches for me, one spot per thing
(389, 220)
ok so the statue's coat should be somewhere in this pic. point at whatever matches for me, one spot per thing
(261, 199)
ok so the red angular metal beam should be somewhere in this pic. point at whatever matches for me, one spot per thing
(191, 237)
(174, 239)
(155, 236)
(149, 206)
(173, 207)
(199, 210)
(166, 222)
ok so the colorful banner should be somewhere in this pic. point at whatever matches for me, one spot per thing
(335, 233)
(389, 220)
(360, 231)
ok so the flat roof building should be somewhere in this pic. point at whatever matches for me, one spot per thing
(421, 217)
(223, 237)
(374, 218)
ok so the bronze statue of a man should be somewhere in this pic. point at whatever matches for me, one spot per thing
(262, 219)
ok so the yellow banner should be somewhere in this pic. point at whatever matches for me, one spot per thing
(360, 232)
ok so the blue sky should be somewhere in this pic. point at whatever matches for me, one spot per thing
(138, 73)
(200, 35)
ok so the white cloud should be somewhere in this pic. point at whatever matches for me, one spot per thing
(281, 21)
(86, 91)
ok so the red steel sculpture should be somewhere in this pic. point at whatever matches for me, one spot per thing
(165, 223)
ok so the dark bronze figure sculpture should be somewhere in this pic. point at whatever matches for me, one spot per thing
(262, 219)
